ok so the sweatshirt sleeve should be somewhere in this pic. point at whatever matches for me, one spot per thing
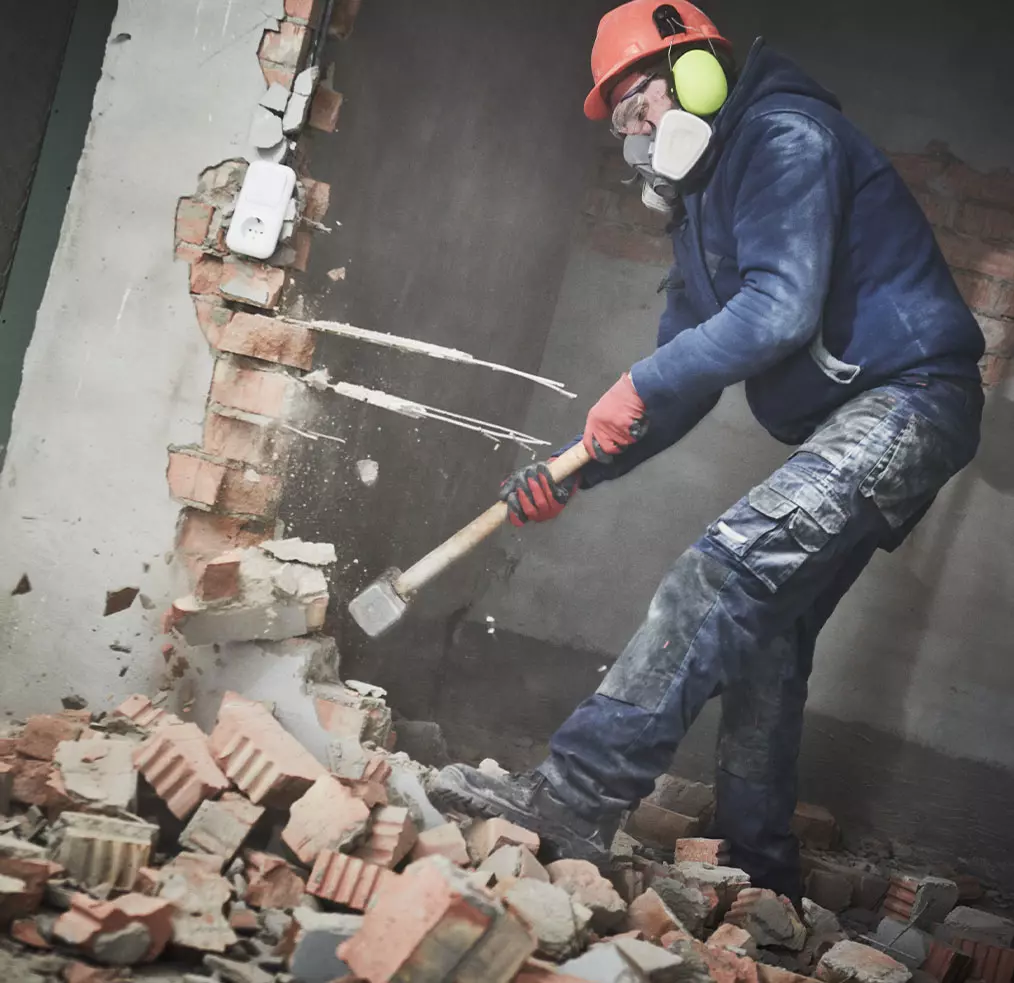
(669, 423)
(789, 182)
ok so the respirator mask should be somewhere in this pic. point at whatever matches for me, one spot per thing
(664, 158)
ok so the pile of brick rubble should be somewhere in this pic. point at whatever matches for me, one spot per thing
(237, 856)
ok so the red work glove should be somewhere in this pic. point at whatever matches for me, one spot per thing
(616, 421)
(531, 493)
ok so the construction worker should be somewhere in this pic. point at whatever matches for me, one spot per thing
(805, 269)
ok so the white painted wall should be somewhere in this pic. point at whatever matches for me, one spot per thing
(118, 368)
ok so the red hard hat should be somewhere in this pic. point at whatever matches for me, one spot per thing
(633, 33)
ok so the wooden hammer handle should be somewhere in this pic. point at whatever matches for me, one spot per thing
(466, 539)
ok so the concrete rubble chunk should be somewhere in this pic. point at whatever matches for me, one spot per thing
(770, 918)
(295, 114)
(922, 900)
(695, 906)
(178, 764)
(509, 861)
(729, 936)
(726, 881)
(852, 962)
(44, 732)
(326, 817)
(830, 889)
(100, 849)
(818, 920)
(499, 954)
(233, 971)
(265, 129)
(295, 550)
(971, 923)
(130, 929)
(692, 799)
(558, 922)
(14, 847)
(603, 963)
(101, 772)
(906, 943)
(350, 715)
(484, 836)
(271, 882)
(305, 81)
(623, 845)
(275, 98)
(653, 963)
(314, 958)
(220, 826)
(259, 755)
(406, 786)
(198, 894)
(583, 882)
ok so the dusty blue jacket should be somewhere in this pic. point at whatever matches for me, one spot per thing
(804, 266)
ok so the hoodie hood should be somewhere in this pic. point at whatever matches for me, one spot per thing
(764, 73)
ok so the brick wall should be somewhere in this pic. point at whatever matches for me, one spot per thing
(972, 214)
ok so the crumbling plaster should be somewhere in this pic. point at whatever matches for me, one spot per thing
(117, 368)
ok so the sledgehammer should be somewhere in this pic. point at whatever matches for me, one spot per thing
(381, 605)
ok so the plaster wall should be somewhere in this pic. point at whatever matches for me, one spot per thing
(117, 367)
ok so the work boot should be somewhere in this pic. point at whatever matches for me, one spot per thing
(530, 801)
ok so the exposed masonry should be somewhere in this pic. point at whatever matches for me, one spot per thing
(972, 214)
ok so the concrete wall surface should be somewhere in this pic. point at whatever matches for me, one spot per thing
(117, 367)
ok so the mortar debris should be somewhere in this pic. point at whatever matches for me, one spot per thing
(272, 868)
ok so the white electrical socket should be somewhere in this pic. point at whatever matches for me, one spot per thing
(260, 209)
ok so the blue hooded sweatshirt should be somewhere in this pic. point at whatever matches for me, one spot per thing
(804, 266)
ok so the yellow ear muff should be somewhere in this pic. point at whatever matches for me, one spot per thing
(699, 82)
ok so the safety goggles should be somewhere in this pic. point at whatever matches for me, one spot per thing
(632, 106)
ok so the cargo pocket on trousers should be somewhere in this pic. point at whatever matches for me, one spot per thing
(778, 526)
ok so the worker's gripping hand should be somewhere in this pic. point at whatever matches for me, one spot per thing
(531, 493)
(616, 421)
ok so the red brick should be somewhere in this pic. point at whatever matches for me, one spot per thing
(178, 764)
(201, 537)
(259, 755)
(583, 882)
(187, 253)
(392, 835)
(998, 334)
(994, 369)
(220, 826)
(992, 963)
(249, 492)
(205, 275)
(725, 966)
(276, 73)
(537, 971)
(344, 713)
(212, 316)
(649, 914)
(939, 210)
(270, 339)
(251, 390)
(251, 283)
(445, 841)
(325, 108)
(917, 170)
(981, 293)
(193, 219)
(304, 10)
(33, 873)
(31, 782)
(964, 182)
(986, 221)
(715, 852)
(815, 827)
(347, 880)
(302, 241)
(271, 882)
(318, 199)
(945, 964)
(220, 579)
(147, 881)
(76, 972)
(193, 479)
(966, 253)
(1004, 305)
(731, 936)
(486, 835)
(143, 712)
(371, 793)
(243, 921)
(25, 931)
(42, 733)
(284, 47)
(652, 824)
(439, 916)
(326, 817)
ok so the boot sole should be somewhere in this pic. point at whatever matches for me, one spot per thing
(559, 841)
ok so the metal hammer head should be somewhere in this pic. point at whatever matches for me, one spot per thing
(379, 606)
